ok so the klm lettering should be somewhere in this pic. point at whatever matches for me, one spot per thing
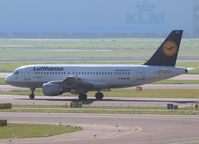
(142, 18)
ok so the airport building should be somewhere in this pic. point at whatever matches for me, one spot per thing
(98, 18)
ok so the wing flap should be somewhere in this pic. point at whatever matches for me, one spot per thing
(75, 82)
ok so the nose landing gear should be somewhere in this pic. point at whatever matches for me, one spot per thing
(32, 95)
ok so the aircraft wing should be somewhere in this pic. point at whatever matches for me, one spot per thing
(75, 82)
(77, 85)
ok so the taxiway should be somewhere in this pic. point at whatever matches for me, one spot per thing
(112, 128)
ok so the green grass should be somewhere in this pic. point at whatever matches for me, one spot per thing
(109, 111)
(2, 81)
(123, 47)
(147, 93)
(177, 82)
(97, 107)
(33, 130)
(11, 66)
(102, 109)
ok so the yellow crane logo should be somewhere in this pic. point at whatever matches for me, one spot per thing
(169, 48)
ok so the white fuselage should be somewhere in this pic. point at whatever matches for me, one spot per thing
(101, 76)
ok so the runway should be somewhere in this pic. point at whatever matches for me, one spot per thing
(113, 128)
(107, 101)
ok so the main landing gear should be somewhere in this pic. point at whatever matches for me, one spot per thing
(32, 95)
(82, 97)
(98, 96)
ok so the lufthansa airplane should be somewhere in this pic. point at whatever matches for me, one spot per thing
(79, 79)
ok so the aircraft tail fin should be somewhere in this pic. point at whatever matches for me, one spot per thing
(166, 54)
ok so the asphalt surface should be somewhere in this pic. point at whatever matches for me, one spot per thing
(107, 101)
(112, 128)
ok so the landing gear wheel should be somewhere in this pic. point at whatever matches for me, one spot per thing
(82, 97)
(99, 96)
(32, 95)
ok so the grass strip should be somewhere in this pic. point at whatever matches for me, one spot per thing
(117, 47)
(177, 82)
(2, 81)
(11, 66)
(97, 107)
(34, 130)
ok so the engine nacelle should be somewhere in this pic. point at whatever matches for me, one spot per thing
(51, 89)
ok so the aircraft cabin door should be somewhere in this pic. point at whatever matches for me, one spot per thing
(27, 74)
(140, 73)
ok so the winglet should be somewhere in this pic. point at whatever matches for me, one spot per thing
(166, 54)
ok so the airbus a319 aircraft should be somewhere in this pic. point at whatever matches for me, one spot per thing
(79, 79)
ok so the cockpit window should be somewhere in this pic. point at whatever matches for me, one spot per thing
(16, 72)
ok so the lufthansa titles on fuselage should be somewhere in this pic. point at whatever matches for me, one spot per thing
(45, 68)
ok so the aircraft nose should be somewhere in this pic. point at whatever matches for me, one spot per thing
(8, 79)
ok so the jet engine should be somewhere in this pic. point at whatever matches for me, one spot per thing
(52, 89)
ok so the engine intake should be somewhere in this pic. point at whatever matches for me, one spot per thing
(51, 89)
